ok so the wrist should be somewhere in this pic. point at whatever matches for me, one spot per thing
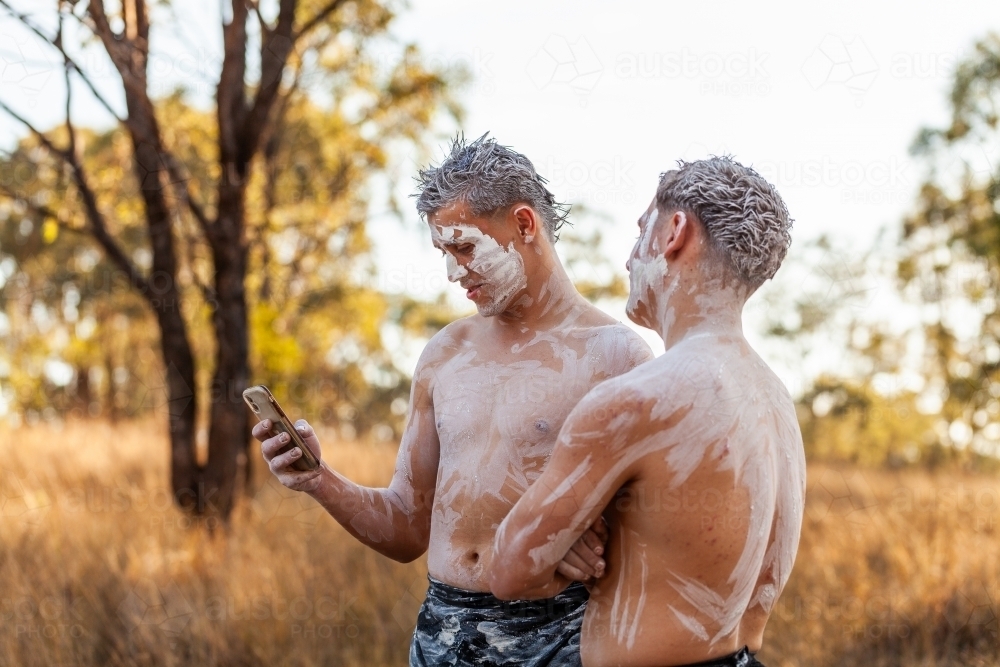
(318, 483)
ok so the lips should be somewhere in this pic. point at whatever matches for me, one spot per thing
(472, 291)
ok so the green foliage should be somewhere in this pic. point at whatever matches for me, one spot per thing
(349, 109)
(928, 395)
(951, 253)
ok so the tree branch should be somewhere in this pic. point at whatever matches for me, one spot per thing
(264, 27)
(275, 48)
(121, 50)
(230, 96)
(71, 149)
(141, 21)
(179, 182)
(57, 44)
(320, 16)
(44, 211)
(98, 227)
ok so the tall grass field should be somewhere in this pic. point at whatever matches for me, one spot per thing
(97, 567)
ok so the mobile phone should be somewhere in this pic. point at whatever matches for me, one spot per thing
(264, 405)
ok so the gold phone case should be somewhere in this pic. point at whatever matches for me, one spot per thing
(263, 404)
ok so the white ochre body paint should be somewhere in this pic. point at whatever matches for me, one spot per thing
(696, 459)
(500, 268)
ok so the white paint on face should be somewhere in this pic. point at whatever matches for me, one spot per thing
(647, 274)
(455, 270)
(501, 269)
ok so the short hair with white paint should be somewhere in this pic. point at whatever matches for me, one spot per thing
(743, 215)
(488, 177)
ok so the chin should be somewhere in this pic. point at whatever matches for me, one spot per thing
(495, 307)
(490, 309)
(638, 314)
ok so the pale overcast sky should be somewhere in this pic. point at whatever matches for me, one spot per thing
(824, 99)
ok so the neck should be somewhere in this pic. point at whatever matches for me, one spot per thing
(713, 308)
(549, 296)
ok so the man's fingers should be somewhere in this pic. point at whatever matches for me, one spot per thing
(273, 445)
(261, 429)
(575, 559)
(571, 572)
(600, 527)
(282, 461)
(585, 553)
(308, 435)
(593, 542)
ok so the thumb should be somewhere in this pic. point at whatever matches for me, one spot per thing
(307, 433)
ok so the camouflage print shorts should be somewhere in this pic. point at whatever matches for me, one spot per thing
(456, 627)
(742, 658)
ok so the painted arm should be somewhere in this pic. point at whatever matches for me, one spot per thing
(395, 521)
(592, 459)
(623, 352)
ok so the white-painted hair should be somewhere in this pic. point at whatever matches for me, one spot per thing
(743, 215)
(488, 177)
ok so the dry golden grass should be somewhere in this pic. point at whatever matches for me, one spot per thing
(97, 567)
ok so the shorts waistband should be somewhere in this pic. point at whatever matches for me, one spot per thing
(742, 658)
(571, 597)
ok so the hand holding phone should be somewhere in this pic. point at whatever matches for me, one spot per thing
(264, 405)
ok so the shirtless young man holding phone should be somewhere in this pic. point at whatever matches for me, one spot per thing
(695, 458)
(488, 398)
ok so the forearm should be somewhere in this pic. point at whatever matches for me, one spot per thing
(538, 591)
(521, 571)
(378, 518)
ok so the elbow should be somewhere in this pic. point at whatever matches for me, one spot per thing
(504, 584)
(508, 579)
(405, 556)
(408, 553)
(511, 576)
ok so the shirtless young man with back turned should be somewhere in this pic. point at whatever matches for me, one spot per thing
(489, 395)
(697, 456)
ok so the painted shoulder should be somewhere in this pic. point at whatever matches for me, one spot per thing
(443, 345)
(619, 348)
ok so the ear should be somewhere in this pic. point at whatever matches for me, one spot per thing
(526, 221)
(679, 233)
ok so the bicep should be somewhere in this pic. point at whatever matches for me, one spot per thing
(415, 475)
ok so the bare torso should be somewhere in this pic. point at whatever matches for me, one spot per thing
(499, 402)
(704, 534)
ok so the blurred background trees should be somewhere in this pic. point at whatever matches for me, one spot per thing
(222, 238)
(925, 390)
(86, 295)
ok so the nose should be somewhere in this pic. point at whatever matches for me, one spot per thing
(455, 270)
